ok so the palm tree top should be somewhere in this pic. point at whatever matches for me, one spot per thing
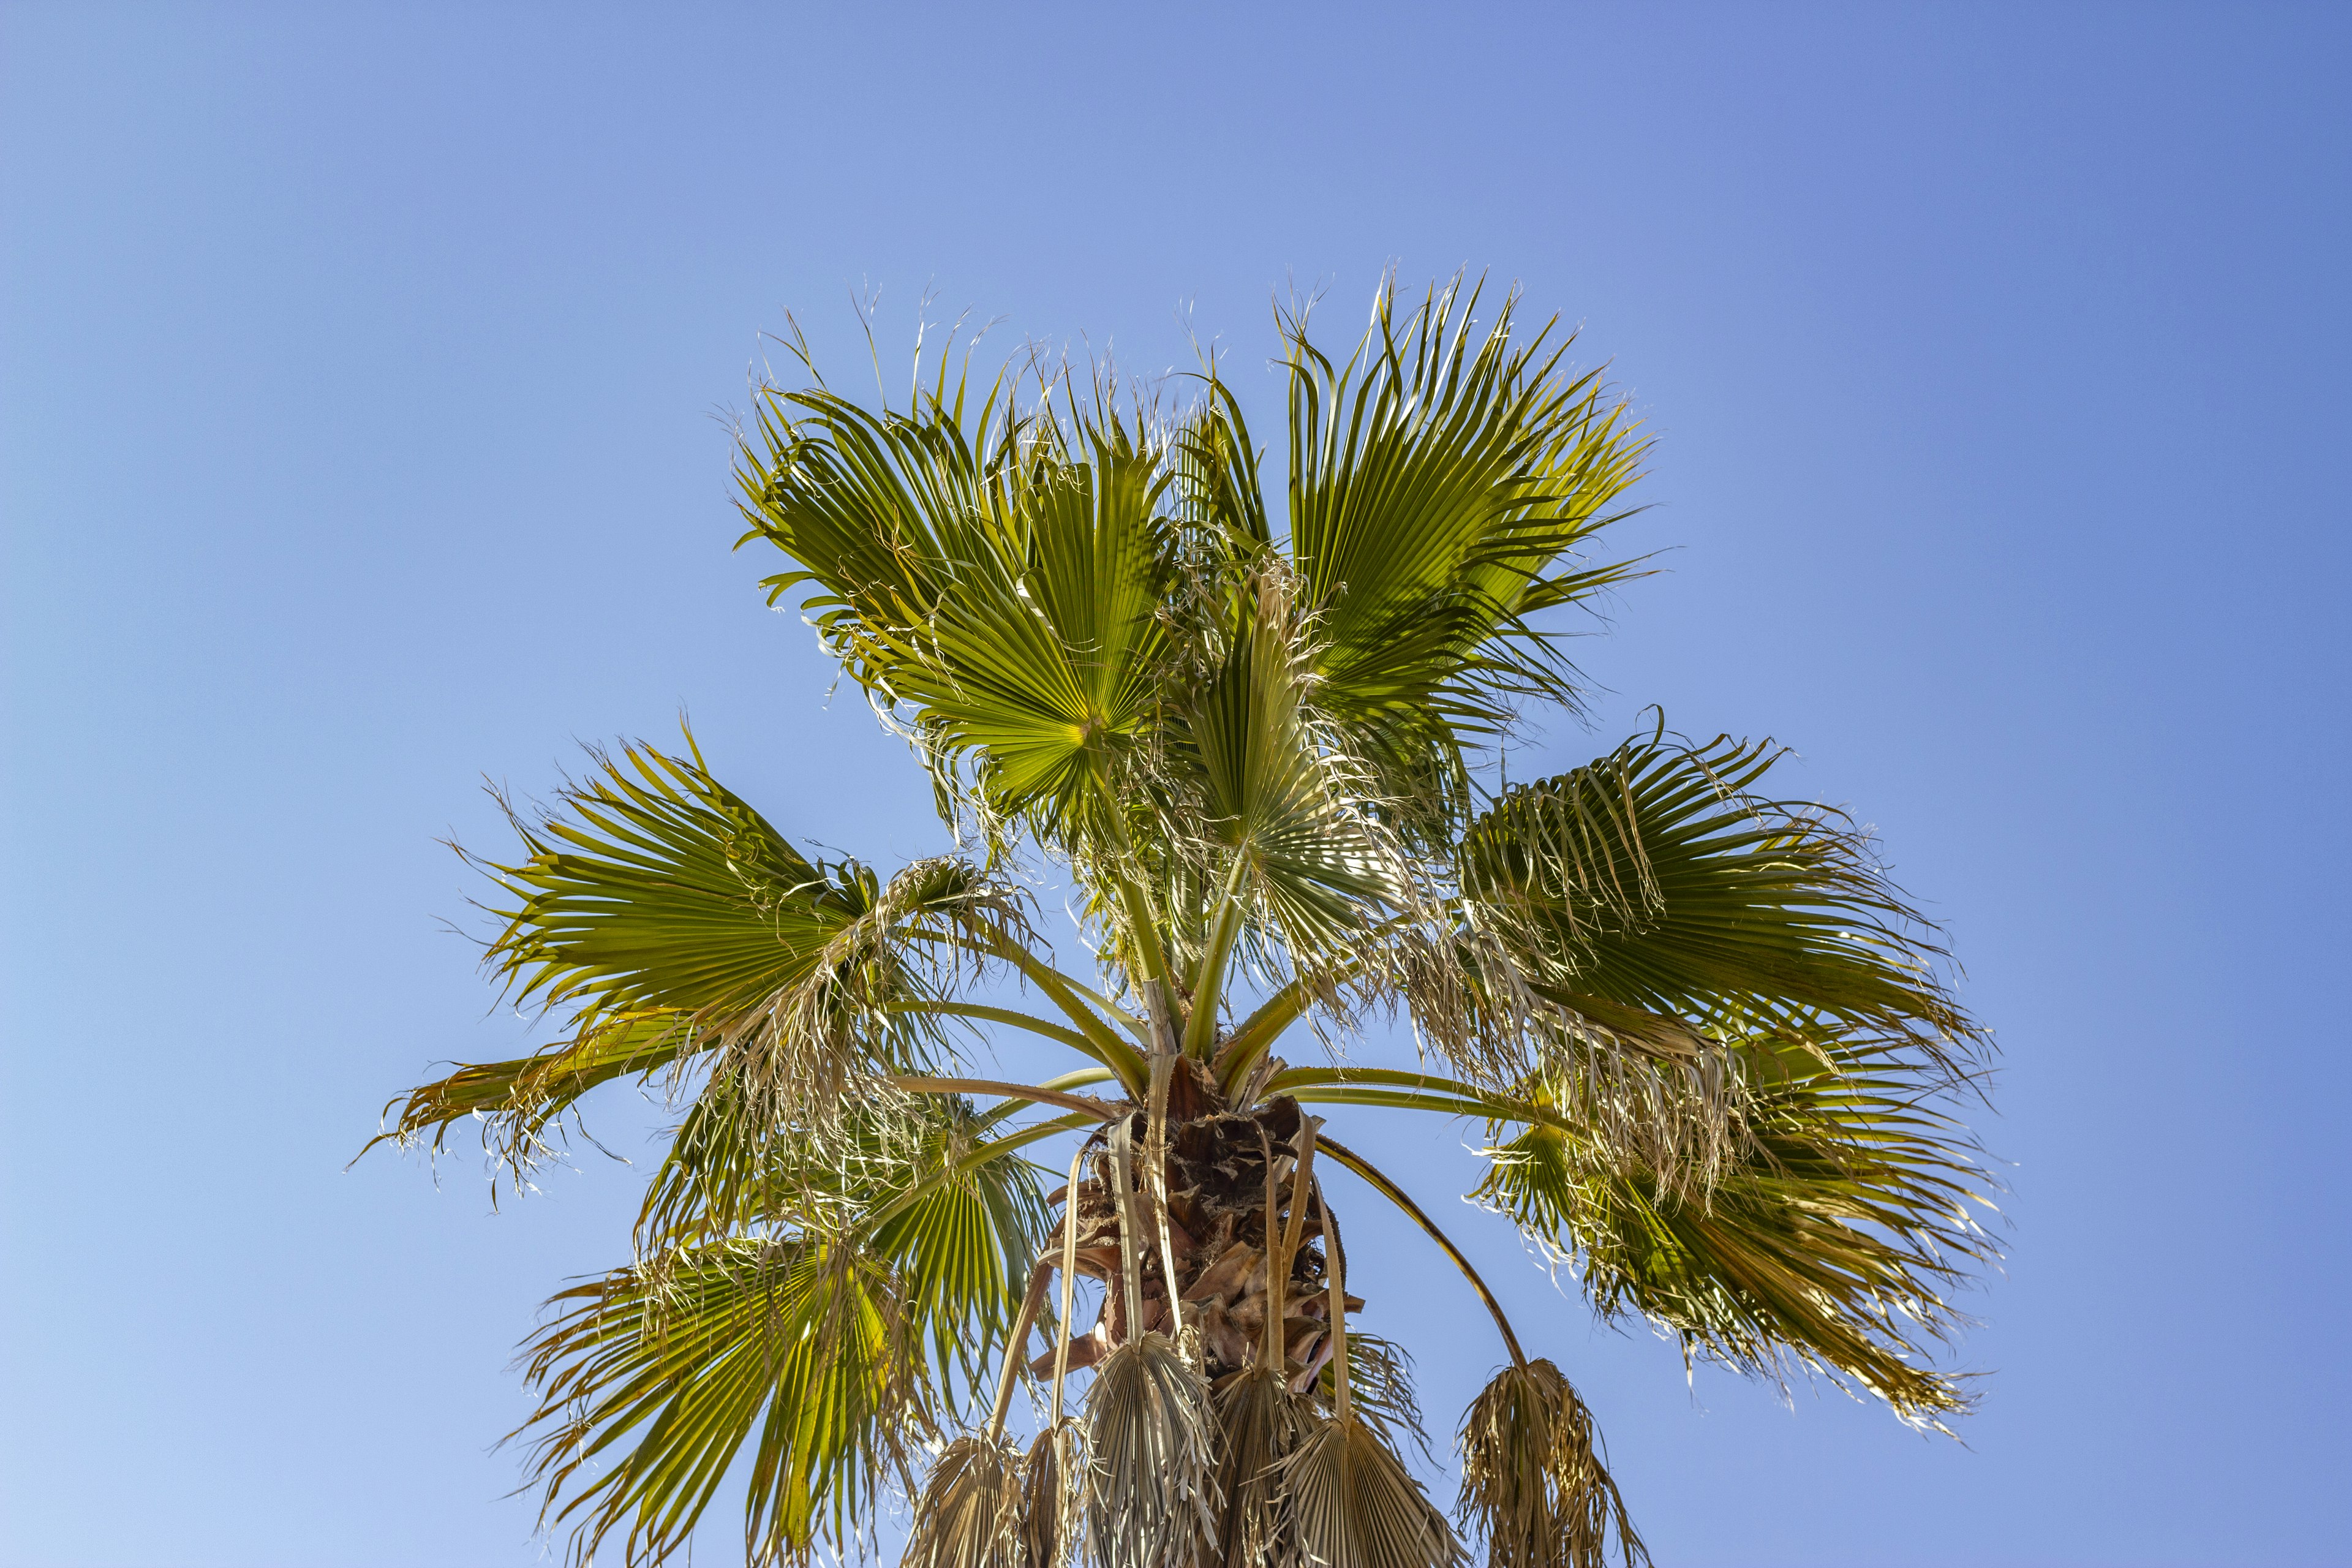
(1712, 1045)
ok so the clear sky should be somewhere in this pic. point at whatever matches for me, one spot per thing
(356, 441)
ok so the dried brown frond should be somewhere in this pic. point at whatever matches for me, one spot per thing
(1050, 1479)
(1353, 1504)
(1260, 1424)
(1380, 1390)
(1152, 1495)
(968, 1515)
(1532, 1480)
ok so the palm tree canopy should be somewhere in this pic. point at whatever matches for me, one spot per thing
(1712, 1045)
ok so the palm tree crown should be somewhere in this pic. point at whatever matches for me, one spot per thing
(1708, 1040)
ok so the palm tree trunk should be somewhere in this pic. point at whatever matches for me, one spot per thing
(1227, 1193)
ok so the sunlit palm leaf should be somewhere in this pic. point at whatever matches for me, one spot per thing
(849, 1340)
(521, 1098)
(1832, 1239)
(993, 590)
(667, 1372)
(1281, 806)
(653, 888)
(673, 921)
(965, 1248)
(1437, 481)
(1216, 479)
(962, 1240)
(1650, 885)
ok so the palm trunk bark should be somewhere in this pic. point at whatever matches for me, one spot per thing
(1224, 1232)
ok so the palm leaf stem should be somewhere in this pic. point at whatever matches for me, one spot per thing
(1077, 1078)
(1336, 1278)
(1208, 989)
(1391, 1089)
(1062, 991)
(1009, 1016)
(1130, 1268)
(1069, 1276)
(1139, 1027)
(1255, 1035)
(1278, 1269)
(1085, 1104)
(1015, 1347)
(1270, 1346)
(1144, 936)
(1397, 1195)
(972, 1160)
(1155, 1168)
(1147, 943)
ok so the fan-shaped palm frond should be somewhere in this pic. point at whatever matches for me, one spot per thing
(1438, 479)
(1292, 859)
(801, 1351)
(1152, 1484)
(968, 1515)
(1831, 1239)
(846, 1336)
(675, 922)
(1353, 1504)
(994, 593)
(1652, 894)
(959, 1232)
(1053, 1494)
(1260, 1424)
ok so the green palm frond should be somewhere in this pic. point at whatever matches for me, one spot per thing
(673, 921)
(994, 592)
(653, 888)
(1216, 479)
(960, 1232)
(1831, 1241)
(965, 1246)
(1650, 892)
(519, 1099)
(1438, 480)
(849, 1338)
(801, 1351)
(1282, 810)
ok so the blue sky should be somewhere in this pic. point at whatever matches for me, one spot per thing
(357, 432)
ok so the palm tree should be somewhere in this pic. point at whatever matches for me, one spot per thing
(1708, 1040)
